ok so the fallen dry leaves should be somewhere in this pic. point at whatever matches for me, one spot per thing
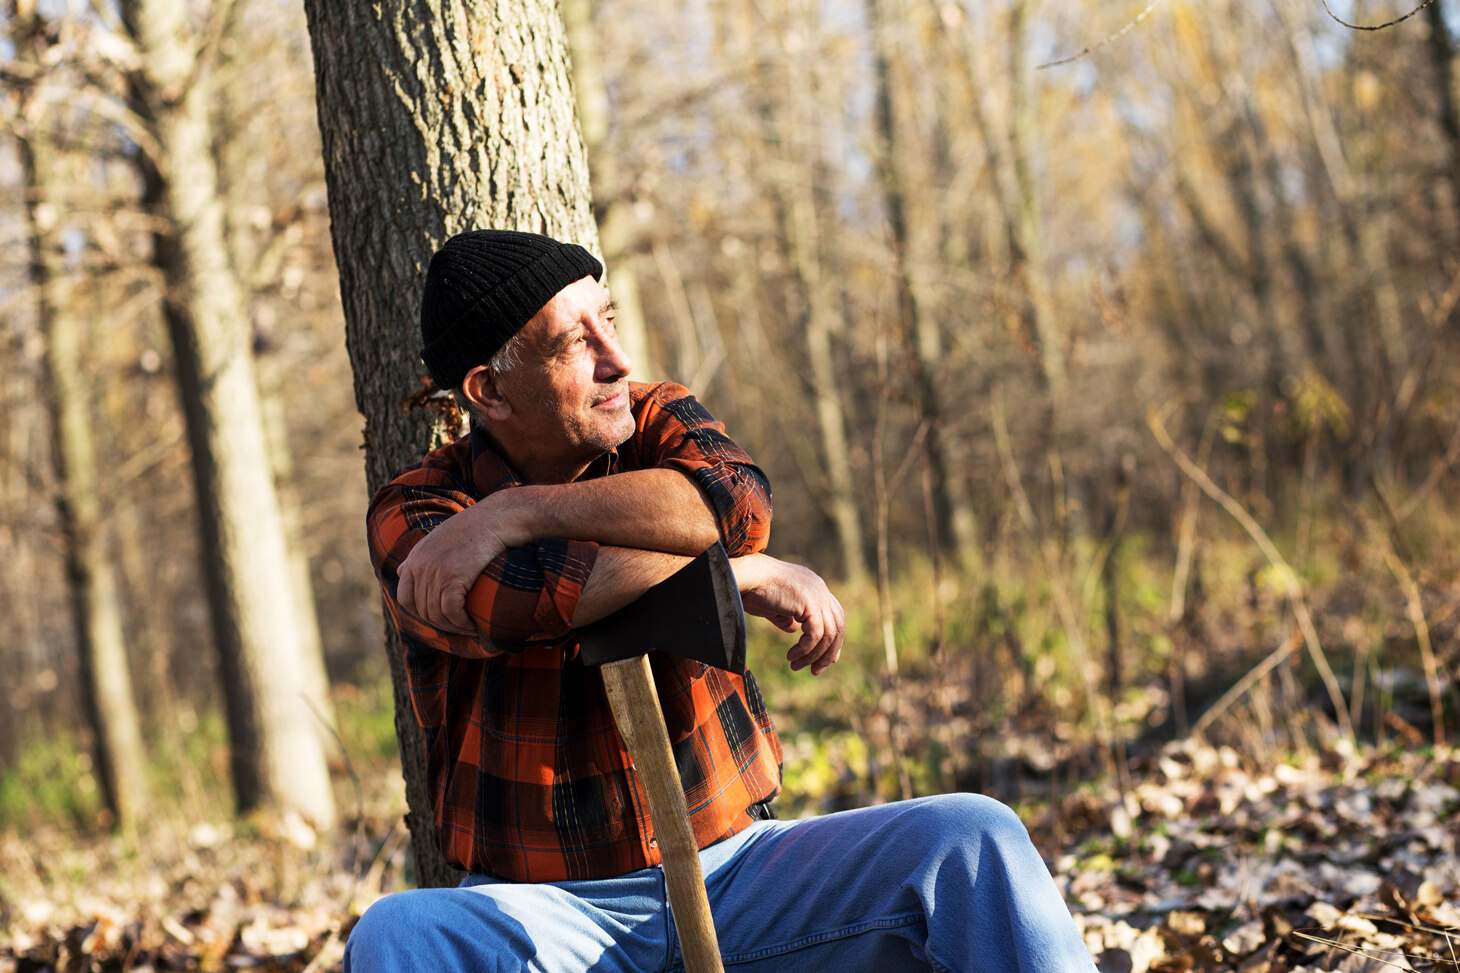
(206, 897)
(1338, 861)
(1343, 861)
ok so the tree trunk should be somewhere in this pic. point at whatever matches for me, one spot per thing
(1442, 53)
(277, 741)
(796, 114)
(109, 703)
(916, 246)
(437, 116)
(612, 208)
(315, 678)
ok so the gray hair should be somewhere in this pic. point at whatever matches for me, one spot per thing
(508, 357)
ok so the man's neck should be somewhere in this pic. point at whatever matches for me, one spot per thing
(529, 469)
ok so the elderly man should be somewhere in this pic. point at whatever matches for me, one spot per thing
(575, 491)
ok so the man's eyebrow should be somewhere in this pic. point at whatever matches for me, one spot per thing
(610, 306)
(563, 339)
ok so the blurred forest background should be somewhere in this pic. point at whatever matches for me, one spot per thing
(1118, 397)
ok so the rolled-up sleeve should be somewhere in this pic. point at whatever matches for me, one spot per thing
(526, 596)
(679, 433)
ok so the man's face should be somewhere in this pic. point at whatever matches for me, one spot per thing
(569, 397)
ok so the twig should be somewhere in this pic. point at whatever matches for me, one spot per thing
(1291, 587)
(1364, 951)
(1397, 20)
(1253, 677)
(1414, 607)
(1107, 545)
(1438, 469)
(1187, 536)
(354, 780)
(1109, 39)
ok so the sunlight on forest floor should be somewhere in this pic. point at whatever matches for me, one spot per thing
(1266, 844)
(1337, 860)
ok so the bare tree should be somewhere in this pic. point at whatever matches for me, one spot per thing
(611, 203)
(109, 704)
(277, 741)
(916, 244)
(1446, 62)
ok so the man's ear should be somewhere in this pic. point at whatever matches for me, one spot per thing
(481, 389)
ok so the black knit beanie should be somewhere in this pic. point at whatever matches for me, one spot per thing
(482, 286)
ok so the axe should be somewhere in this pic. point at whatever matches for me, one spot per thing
(695, 613)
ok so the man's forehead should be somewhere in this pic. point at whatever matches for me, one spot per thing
(563, 312)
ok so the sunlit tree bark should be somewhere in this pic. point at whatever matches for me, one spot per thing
(437, 116)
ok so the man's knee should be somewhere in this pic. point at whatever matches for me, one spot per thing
(971, 822)
(449, 928)
(971, 813)
(376, 941)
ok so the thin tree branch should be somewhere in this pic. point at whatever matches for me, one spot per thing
(1254, 675)
(1112, 37)
(1391, 23)
(1288, 576)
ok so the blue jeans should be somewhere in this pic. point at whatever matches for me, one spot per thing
(942, 883)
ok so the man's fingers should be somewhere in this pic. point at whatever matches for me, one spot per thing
(832, 653)
(405, 590)
(813, 631)
(453, 607)
(829, 649)
(784, 622)
(817, 660)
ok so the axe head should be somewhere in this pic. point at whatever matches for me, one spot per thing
(694, 613)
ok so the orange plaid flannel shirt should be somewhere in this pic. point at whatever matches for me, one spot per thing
(529, 778)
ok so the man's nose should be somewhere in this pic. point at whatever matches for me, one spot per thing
(613, 361)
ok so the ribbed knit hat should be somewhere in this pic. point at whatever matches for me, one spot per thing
(482, 286)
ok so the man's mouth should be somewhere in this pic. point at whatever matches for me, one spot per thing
(614, 401)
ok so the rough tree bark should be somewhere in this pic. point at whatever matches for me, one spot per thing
(436, 116)
(106, 678)
(278, 760)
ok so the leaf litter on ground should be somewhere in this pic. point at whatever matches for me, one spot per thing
(1343, 860)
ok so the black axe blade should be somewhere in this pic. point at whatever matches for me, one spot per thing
(695, 613)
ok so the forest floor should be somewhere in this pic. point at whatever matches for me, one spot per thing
(1336, 860)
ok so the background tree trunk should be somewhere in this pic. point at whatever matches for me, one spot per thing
(611, 204)
(277, 741)
(793, 118)
(1443, 56)
(915, 245)
(106, 678)
(437, 116)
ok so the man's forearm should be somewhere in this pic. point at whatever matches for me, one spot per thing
(621, 575)
(652, 510)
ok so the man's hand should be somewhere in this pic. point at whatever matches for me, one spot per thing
(436, 576)
(794, 598)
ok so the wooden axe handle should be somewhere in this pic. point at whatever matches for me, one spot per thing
(640, 721)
